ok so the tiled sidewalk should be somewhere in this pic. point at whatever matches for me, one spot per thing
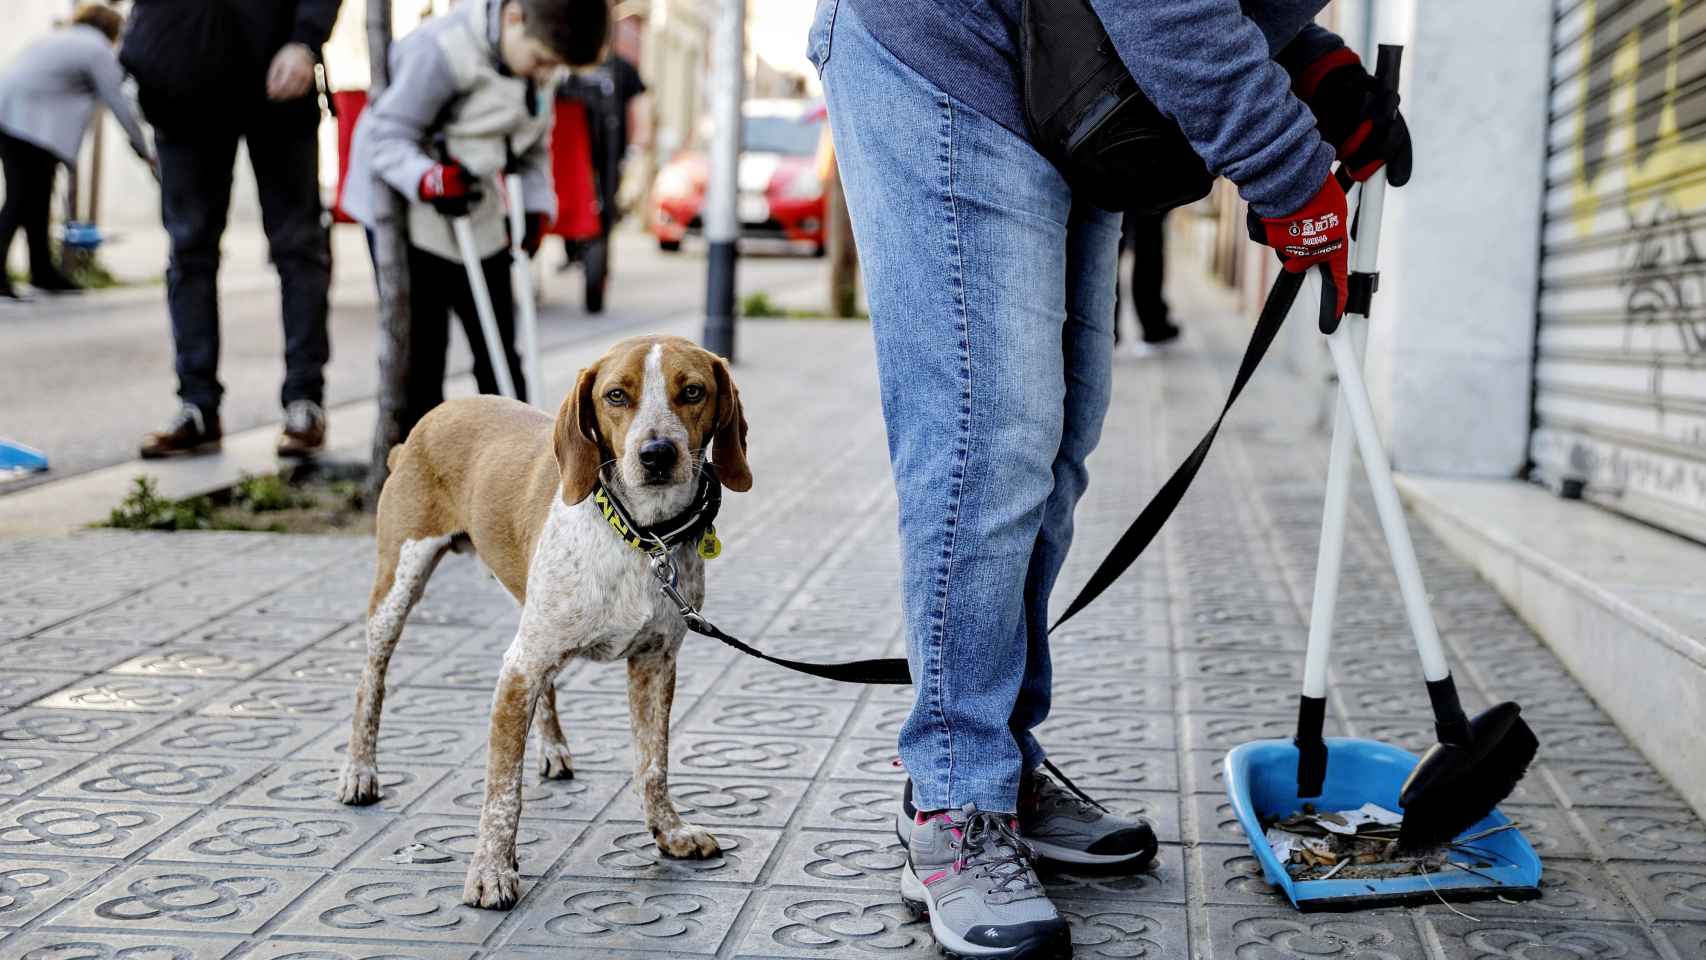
(173, 709)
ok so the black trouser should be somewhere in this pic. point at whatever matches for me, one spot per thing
(195, 196)
(29, 189)
(1144, 235)
(436, 288)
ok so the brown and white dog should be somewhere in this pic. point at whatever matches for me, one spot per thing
(503, 479)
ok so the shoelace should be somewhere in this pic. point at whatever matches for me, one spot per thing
(1048, 787)
(989, 842)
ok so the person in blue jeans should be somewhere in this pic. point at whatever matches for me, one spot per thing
(992, 304)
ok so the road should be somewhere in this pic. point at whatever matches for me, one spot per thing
(83, 379)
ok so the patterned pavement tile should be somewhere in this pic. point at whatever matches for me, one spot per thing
(417, 638)
(852, 805)
(60, 654)
(1098, 766)
(673, 919)
(78, 828)
(776, 718)
(866, 760)
(228, 661)
(344, 669)
(1687, 939)
(278, 699)
(144, 694)
(1161, 881)
(1287, 935)
(1155, 730)
(81, 731)
(731, 801)
(868, 861)
(327, 950)
(188, 897)
(266, 633)
(262, 739)
(782, 755)
(23, 770)
(627, 851)
(1634, 833)
(401, 743)
(1107, 929)
(51, 944)
(283, 838)
(765, 680)
(438, 844)
(1587, 784)
(463, 791)
(1667, 891)
(125, 628)
(18, 687)
(424, 703)
(423, 908)
(313, 785)
(28, 890)
(144, 779)
(1497, 940)
(835, 923)
(1241, 697)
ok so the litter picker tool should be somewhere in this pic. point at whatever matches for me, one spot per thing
(1459, 782)
(483, 305)
(521, 278)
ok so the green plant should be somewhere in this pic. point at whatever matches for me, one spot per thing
(144, 509)
(759, 305)
(265, 493)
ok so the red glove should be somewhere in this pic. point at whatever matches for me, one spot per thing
(450, 188)
(1313, 233)
(534, 233)
(1356, 115)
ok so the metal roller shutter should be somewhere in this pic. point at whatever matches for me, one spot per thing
(1620, 366)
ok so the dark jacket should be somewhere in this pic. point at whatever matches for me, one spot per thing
(201, 65)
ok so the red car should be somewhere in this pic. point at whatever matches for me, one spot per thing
(781, 195)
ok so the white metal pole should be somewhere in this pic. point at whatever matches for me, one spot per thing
(1365, 254)
(722, 225)
(521, 279)
(495, 351)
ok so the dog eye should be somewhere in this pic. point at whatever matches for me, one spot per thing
(616, 397)
(692, 393)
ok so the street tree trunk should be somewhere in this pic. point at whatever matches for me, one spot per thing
(843, 255)
(390, 265)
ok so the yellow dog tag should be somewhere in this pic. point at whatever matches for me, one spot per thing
(710, 547)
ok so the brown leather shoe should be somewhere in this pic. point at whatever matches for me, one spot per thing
(190, 432)
(304, 429)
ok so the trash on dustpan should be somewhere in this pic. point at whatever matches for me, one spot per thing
(1358, 844)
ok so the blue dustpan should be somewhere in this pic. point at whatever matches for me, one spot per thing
(1261, 781)
(17, 459)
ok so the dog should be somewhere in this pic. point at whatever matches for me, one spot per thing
(505, 481)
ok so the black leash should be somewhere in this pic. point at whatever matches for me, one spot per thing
(893, 670)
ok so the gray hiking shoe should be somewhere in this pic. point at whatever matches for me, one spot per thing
(1065, 826)
(969, 872)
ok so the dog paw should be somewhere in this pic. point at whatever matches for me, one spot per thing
(358, 785)
(554, 762)
(490, 886)
(686, 842)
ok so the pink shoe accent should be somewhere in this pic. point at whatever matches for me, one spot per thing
(935, 877)
(919, 819)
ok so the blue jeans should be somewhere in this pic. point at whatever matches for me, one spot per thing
(992, 304)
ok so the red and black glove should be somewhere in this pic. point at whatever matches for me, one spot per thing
(1313, 233)
(450, 188)
(1356, 115)
(533, 232)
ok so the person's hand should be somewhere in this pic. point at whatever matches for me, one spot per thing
(1313, 233)
(534, 233)
(450, 188)
(1357, 116)
(291, 72)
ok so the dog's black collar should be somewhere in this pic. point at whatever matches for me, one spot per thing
(692, 525)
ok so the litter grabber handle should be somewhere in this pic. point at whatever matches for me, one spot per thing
(495, 351)
(521, 279)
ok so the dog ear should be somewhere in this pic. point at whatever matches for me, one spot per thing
(729, 444)
(576, 439)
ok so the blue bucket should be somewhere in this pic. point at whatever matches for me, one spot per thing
(1261, 782)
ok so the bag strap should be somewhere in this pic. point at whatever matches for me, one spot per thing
(894, 671)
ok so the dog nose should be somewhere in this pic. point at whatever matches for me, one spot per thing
(657, 456)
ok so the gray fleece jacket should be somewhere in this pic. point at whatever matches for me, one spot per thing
(48, 93)
(447, 80)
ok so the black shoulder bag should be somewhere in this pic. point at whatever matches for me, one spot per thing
(1088, 117)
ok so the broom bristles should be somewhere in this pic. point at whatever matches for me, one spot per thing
(1439, 814)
